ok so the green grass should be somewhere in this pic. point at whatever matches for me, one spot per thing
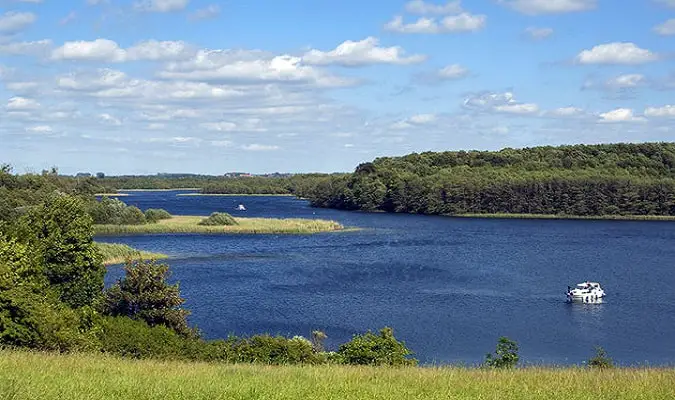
(25, 375)
(190, 224)
(115, 253)
(558, 216)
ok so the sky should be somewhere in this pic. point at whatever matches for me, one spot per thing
(204, 86)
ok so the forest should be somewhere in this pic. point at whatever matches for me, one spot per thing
(579, 180)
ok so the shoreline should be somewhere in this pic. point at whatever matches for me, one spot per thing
(190, 224)
(111, 194)
(236, 194)
(116, 253)
(662, 218)
(157, 190)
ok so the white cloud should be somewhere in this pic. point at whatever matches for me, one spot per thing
(222, 126)
(97, 50)
(522, 109)
(13, 21)
(40, 129)
(616, 53)
(109, 119)
(363, 52)
(489, 100)
(36, 48)
(109, 51)
(422, 119)
(463, 22)
(538, 33)
(620, 115)
(452, 72)
(161, 6)
(259, 147)
(422, 7)
(667, 111)
(565, 112)
(666, 28)
(538, 7)
(22, 87)
(21, 104)
(210, 11)
(626, 81)
(250, 67)
(220, 143)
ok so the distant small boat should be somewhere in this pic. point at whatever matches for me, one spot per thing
(241, 207)
(587, 292)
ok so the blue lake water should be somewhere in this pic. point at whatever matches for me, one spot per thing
(448, 286)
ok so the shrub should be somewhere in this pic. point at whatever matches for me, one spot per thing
(219, 219)
(153, 215)
(143, 294)
(505, 356)
(136, 339)
(372, 349)
(115, 212)
(600, 360)
(277, 350)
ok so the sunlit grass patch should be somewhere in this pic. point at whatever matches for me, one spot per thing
(116, 253)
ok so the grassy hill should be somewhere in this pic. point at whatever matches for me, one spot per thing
(25, 375)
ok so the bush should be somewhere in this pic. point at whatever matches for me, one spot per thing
(136, 339)
(506, 354)
(372, 349)
(153, 215)
(219, 219)
(276, 350)
(143, 294)
(600, 360)
(115, 212)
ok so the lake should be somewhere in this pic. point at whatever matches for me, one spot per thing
(448, 286)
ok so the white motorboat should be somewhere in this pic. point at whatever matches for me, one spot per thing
(586, 292)
(241, 207)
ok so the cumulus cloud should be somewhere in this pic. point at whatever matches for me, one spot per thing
(667, 111)
(252, 67)
(620, 115)
(538, 7)
(21, 104)
(667, 28)
(464, 22)
(414, 121)
(13, 21)
(565, 112)
(522, 109)
(259, 147)
(616, 53)
(210, 11)
(36, 48)
(452, 72)
(360, 53)
(109, 119)
(538, 33)
(161, 6)
(105, 50)
(422, 7)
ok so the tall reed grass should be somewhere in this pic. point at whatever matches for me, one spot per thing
(116, 253)
(190, 224)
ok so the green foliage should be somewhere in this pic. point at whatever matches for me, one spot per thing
(219, 219)
(60, 234)
(372, 349)
(277, 350)
(130, 338)
(505, 356)
(318, 338)
(115, 212)
(153, 215)
(617, 179)
(600, 360)
(144, 294)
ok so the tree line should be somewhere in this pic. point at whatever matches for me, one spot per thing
(584, 180)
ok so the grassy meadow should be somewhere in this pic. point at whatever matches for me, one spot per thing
(190, 224)
(26, 375)
(115, 253)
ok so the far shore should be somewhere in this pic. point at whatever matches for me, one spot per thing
(190, 224)
(570, 217)
(157, 190)
(235, 194)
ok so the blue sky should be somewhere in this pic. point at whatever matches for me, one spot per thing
(146, 86)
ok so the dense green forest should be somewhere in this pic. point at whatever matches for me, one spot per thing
(584, 180)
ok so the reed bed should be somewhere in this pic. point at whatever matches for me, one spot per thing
(26, 375)
(190, 224)
(116, 253)
(579, 217)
